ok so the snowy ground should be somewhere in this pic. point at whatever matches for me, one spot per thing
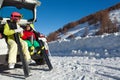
(71, 68)
(78, 62)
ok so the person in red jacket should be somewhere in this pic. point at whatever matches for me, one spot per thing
(30, 37)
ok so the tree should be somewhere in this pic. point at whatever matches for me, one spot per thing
(106, 24)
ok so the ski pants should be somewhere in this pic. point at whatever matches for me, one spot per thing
(13, 49)
(30, 44)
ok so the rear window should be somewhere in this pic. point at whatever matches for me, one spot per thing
(5, 12)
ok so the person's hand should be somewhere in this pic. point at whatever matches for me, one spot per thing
(19, 30)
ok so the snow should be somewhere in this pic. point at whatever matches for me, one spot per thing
(115, 14)
(71, 63)
(33, 1)
(106, 45)
(71, 68)
(88, 58)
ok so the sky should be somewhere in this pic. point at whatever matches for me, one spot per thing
(54, 14)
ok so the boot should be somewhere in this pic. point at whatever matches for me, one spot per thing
(11, 65)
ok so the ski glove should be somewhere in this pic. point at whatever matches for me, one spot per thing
(19, 30)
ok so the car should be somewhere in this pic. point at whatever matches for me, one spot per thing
(24, 7)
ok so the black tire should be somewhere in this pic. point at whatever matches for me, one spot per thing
(40, 61)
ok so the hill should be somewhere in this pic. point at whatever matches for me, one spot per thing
(105, 21)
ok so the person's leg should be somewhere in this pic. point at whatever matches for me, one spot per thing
(36, 44)
(12, 58)
(30, 46)
(28, 43)
(12, 51)
(25, 50)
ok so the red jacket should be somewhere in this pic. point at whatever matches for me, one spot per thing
(27, 35)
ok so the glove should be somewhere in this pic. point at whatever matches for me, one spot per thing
(19, 30)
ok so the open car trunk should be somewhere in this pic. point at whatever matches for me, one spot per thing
(18, 4)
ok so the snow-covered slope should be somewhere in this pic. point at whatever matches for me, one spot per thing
(80, 29)
(107, 45)
(115, 14)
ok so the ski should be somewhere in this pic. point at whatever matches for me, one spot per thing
(24, 62)
(45, 55)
